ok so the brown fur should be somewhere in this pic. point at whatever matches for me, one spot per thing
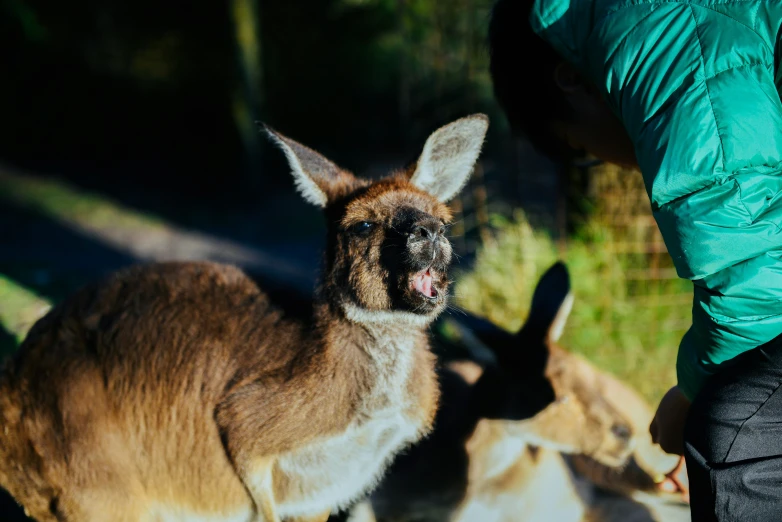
(178, 390)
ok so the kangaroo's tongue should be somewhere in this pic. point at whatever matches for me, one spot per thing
(422, 282)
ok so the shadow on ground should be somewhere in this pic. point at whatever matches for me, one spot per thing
(48, 257)
(7, 343)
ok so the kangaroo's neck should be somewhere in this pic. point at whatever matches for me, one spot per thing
(385, 341)
(372, 329)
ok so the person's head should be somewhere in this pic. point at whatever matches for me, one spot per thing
(544, 97)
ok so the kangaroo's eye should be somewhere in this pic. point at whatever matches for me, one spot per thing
(363, 229)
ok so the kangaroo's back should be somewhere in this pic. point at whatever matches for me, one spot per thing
(116, 374)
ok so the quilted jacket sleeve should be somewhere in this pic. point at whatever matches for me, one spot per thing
(694, 84)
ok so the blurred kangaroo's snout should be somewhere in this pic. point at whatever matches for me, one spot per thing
(623, 432)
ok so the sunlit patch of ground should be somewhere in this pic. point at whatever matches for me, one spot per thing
(60, 201)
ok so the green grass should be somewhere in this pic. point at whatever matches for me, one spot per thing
(629, 329)
(19, 309)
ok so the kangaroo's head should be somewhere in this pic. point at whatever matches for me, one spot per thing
(549, 396)
(387, 256)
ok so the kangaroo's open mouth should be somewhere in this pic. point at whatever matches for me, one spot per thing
(423, 282)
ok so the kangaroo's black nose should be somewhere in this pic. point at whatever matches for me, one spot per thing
(425, 229)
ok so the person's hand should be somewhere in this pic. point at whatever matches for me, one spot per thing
(667, 428)
(676, 481)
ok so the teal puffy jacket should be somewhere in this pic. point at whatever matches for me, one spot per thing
(696, 84)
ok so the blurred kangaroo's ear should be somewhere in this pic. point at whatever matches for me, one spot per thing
(484, 340)
(317, 179)
(551, 305)
(449, 157)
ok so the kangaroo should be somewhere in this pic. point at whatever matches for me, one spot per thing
(178, 391)
(518, 417)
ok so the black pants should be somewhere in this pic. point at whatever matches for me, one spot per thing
(733, 441)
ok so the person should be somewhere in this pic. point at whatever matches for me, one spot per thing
(688, 91)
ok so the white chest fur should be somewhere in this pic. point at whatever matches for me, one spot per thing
(333, 472)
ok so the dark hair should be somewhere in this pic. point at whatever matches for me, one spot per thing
(522, 70)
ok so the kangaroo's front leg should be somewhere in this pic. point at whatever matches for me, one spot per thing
(259, 482)
(252, 456)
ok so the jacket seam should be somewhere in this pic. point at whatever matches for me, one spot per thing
(732, 67)
(741, 200)
(634, 29)
(628, 5)
(767, 222)
(706, 86)
(709, 8)
(725, 178)
(725, 320)
(658, 3)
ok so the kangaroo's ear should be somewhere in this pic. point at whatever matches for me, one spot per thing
(449, 157)
(317, 179)
(551, 304)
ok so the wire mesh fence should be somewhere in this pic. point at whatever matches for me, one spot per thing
(652, 282)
